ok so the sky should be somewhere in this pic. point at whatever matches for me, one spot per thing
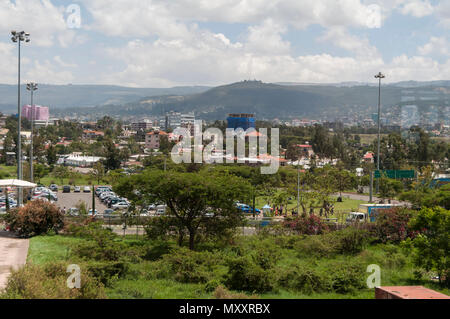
(166, 43)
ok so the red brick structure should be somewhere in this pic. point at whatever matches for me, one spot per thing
(408, 292)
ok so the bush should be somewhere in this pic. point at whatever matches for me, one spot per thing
(318, 245)
(346, 277)
(307, 225)
(351, 240)
(264, 252)
(347, 241)
(190, 266)
(222, 293)
(304, 279)
(392, 225)
(107, 271)
(50, 282)
(340, 277)
(35, 218)
(245, 274)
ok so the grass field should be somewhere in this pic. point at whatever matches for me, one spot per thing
(80, 180)
(396, 269)
(346, 205)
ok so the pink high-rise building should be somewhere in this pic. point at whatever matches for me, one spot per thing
(40, 113)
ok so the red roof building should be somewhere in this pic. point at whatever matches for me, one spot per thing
(408, 292)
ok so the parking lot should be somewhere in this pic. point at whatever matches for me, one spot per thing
(72, 199)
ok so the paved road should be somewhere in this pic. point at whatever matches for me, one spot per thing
(13, 254)
(69, 200)
(367, 198)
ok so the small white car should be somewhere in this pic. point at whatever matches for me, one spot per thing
(86, 189)
(120, 205)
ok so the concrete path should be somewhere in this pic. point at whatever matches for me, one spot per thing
(13, 254)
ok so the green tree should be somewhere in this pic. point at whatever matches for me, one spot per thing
(51, 155)
(198, 203)
(61, 172)
(98, 172)
(389, 188)
(40, 170)
(432, 245)
(112, 155)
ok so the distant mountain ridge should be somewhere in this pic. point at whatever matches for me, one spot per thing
(66, 96)
(266, 100)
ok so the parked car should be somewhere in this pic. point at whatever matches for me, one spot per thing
(54, 187)
(120, 205)
(160, 210)
(107, 213)
(247, 209)
(101, 189)
(73, 211)
(66, 189)
(86, 189)
(90, 212)
(77, 189)
(354, 217)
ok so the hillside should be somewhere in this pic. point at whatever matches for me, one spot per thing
(266, 100)
(66, 96)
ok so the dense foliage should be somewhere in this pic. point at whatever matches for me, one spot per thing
(35, 218)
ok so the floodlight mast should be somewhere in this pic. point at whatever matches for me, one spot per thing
(379, 76)
(18, 37)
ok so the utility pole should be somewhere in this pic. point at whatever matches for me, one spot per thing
(298, 186)
(379, 76)
(18, 37)
(32, 87)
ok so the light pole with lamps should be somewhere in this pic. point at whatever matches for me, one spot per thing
(32, 87)
(18, 37)
(379, 76)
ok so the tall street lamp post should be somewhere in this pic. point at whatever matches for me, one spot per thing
(379, 76)
(32, 87)
(18, 37)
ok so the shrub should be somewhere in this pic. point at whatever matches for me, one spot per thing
(264, 252)
(347, 241)
(304, 279)
(107, 271)
(245, 274)
(318, 245)
(35, 218)
(346, 277)
(307, 225)
(350, 240)
(223, 293)
(392, 225)
(50, 282)
(340, 277)
(190, 266)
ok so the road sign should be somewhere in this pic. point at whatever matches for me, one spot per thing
(396, 173)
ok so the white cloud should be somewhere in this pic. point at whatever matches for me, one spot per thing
(63, 64)
(417, 8)
(8, 59)
(43, 20)
(443, 12)
(266, 38)
(436, 46)
(48, 72)
(213, 59)
(360, 47)
(170, 19)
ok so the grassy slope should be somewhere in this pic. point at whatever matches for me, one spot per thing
(44, 249)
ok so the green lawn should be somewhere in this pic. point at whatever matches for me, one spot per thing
(346, 205)
(80, 180)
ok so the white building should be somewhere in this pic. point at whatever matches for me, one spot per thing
(78, 160)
